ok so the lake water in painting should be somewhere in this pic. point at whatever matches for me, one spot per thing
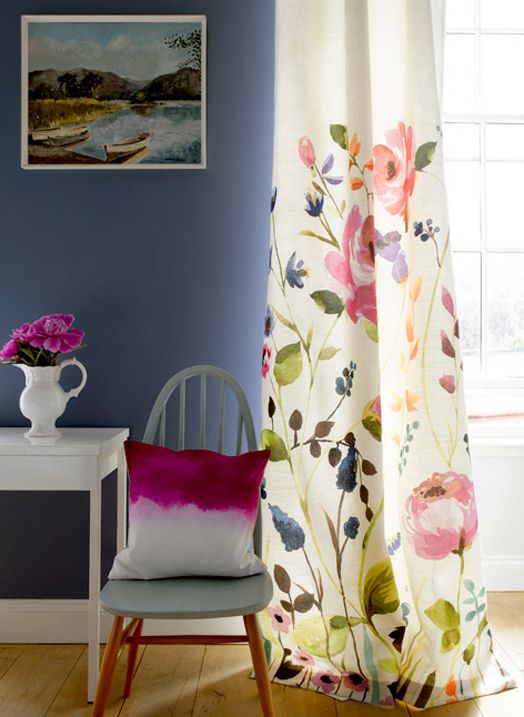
(175, 129)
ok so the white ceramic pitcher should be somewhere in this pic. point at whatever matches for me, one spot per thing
(43, 399)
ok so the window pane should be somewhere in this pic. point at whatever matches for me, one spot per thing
(462, 141)
(504, 200)
(467, 288)
(463, 189)
(505, 315)
(505, 141)
(460, 13)
(459, 73)
(500, 13)
(501, 55)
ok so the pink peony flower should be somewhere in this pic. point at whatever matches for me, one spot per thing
(306, 151)
(354, 268)
(280, 621)
(22, 332)
(266, 356)
(441, 515)
(9, 350)
(301, 657)
(394, 170)
(326, 680)
(355, 681)
(54, 334)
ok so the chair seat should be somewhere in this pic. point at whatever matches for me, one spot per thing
(186, 598)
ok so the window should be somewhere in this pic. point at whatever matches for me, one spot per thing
(484, 157)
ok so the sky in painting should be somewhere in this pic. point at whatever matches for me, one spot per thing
(135, 50)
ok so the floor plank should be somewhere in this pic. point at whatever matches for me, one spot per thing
(166, 682)
(225, 688)
(33, 682)
(71, 700)
(8, 656)
(506, 616)
(292, 701)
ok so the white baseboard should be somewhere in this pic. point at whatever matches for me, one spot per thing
(503, 573)
(65, 621)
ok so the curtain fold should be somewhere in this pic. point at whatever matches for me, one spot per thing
(371, 524)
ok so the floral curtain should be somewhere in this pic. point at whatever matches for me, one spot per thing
(371, 525)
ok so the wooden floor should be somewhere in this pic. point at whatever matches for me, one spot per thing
(179, 681)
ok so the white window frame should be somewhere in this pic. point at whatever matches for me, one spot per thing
(484, 386)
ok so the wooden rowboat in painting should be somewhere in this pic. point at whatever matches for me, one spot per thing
(130, 146)
(60, 136)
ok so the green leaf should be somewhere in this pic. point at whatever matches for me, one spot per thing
(468, 601)
(380, 591)
(309, 337)
(318, 188)
(371, 330)
(328, 301)
(339, 133)
(443, 615)
(270, 439)
(374, 427)
(283, 320)
(307, 233)
(482, 626)
(450, 639)
(267, 650)
(327, 353)
(288, 364)
(471, 615)
(388, 664)
(425, 155)
(282, 578)
(310, 635)
(338, 621)
(469, 653)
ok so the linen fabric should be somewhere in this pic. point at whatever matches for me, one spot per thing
(190, 513)
(371, 522)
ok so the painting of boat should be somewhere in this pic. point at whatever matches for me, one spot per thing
(132, 145)
(60, 136)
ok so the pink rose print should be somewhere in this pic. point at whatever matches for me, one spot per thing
(327, 681)
(354, 268)
(442, 515)
(280, 622)
(266, 356)
(394, 170)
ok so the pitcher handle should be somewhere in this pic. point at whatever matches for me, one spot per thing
(73, 393)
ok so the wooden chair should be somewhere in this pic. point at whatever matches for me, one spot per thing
(189, 598)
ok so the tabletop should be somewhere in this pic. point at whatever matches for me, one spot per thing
(72, 442)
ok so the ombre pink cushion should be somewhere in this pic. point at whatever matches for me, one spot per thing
(190, 513)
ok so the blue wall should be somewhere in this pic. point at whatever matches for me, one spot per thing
(163, 269)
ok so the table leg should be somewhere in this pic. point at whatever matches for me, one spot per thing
(94, 591)
(121, 512)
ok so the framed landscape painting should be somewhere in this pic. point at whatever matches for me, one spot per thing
(113, 92)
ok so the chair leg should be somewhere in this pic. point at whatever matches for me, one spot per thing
(131, 659)
(259, 663)
(108, 667)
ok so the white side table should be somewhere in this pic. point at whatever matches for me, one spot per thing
(79, 460)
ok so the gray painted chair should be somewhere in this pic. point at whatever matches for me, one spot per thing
(189, 598)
